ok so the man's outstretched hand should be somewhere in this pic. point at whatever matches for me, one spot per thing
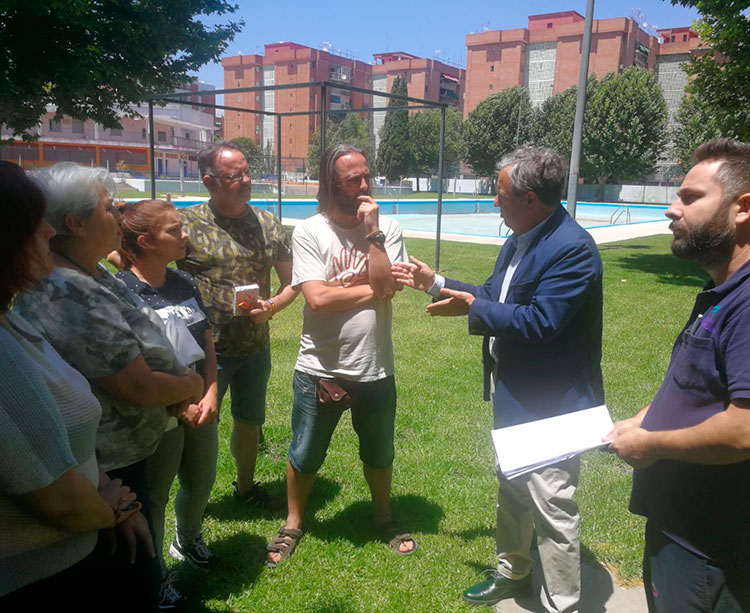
(416, 274)
(457, 303)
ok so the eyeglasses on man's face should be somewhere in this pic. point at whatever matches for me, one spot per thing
(234, 178)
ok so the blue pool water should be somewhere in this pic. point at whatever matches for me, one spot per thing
(469, 217)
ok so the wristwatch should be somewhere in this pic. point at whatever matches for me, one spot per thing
(376, 237)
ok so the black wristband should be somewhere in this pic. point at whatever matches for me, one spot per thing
(376, 237)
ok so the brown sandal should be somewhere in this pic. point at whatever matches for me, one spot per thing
(285, 542)
(391, 533)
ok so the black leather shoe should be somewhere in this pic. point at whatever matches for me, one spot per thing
(496, 588)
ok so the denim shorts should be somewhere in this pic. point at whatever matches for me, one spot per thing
(247, 378)
(373, 417)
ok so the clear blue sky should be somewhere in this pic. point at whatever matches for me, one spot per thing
(420, 27)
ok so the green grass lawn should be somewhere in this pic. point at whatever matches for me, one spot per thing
(444, 485)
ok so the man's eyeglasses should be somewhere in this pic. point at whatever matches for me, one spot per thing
(234, 178)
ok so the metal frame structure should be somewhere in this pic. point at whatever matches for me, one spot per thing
(323, 86)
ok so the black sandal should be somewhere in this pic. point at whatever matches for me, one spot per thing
(391, 533)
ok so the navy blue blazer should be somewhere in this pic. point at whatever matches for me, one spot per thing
(549, 327)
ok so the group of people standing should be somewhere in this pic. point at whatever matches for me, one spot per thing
(112, 386)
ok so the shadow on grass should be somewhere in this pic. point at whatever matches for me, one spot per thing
(227, 508)
(474, 533)
(665, 267)
(623, 246)
(414, 514)
(246, 552)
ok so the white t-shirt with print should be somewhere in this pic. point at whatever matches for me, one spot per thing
(354, 344)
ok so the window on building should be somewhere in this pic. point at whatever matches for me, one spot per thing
(144, 134)
(671, 39)
(187, 136)
(55, 126)
(161, 135)
(549, 25)
(492, 68)
(77, 127)
(684, 37)
(491, 88)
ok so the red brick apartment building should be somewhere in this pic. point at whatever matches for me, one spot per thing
(293, 63)
(426, 79)
(285, 63)
(545, 56)
(675, 48)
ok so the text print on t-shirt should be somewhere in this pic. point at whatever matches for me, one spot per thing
(188, 311)
(350, 267)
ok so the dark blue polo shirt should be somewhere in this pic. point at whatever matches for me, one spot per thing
(704, 508)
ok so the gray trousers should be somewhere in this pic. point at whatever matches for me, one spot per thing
(190, 454)
(542, 502)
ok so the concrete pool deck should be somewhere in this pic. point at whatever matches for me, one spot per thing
(602, 235)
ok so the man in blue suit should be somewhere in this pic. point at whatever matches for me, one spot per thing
(540, 313)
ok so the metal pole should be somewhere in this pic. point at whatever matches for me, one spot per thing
(278, 161)
(440, 188)
(583, 77)
(323, 113)
(151, 147)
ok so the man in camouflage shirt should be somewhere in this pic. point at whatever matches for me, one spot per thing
(232, 243)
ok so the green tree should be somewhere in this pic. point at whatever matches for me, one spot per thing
(95, 59)
(394, 150)
(624, 127)
(694, 124)
(553, 120)
(496, 127)
(353, 130)
(721, 81)
(424, 135)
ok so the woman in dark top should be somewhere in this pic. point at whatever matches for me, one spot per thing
(152, 238)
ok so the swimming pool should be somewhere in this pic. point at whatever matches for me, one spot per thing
(475, 217)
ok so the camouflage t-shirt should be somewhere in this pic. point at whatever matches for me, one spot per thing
(224, 252)
(99, 326)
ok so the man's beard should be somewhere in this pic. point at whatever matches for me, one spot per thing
(711, 243)
(346, 203)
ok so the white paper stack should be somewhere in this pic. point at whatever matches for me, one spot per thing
(526, 447)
